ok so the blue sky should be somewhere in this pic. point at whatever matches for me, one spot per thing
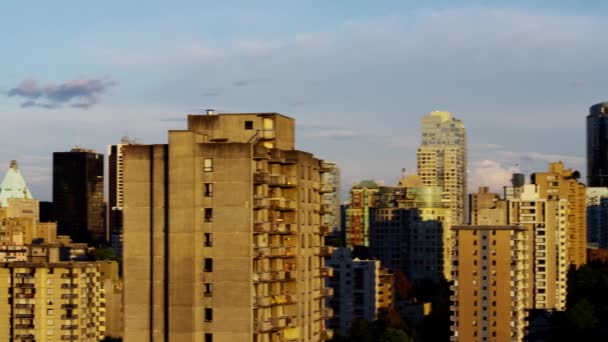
(356, 75)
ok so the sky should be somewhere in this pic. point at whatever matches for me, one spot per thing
(356, 75)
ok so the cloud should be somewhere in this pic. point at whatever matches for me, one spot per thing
(78, 93)
(491, 173)
(246, 82)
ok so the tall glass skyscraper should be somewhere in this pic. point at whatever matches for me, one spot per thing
(597, 145)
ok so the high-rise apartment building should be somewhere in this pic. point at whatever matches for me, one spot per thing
(560, 183)
(546, 226)
(597, 217)
(114, 219)
(49, 300)
(78, 194)
(597, 145)
(545, 223)
(479, 202)
(489, 293)
(223, 234)
(442, 159)
(409, 230)
(363, 196)
(330, 192)
(361, 288)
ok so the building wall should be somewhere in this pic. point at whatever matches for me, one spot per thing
(78, 195)
(223, 236)
(597, 216)
(489, 290)
(363, 197)
(442, 159)
(561, 183)
(52, 301)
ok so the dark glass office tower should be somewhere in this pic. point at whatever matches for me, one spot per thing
(597, 145)
(78, 195)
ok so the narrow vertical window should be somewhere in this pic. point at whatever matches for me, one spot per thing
(208, 190)
(208, 239)
(208, 267)
(208, 165)
(208, 315)
(208, 289)
(208, 214)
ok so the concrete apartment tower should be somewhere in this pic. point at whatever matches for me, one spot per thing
(223, 234)
(545, 223)
(489, 293)
(561, 183)
(442, 159)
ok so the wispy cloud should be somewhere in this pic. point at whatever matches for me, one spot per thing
(78, 93)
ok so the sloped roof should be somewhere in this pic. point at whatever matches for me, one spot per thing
(13, 185)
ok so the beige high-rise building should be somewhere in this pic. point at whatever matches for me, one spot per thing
(479, 203)
(223, 238)
(51, 300)
(442, 159)
(489, 293)
(545, 223)
(561, 183)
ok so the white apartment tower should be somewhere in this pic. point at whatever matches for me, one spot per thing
(442, 159)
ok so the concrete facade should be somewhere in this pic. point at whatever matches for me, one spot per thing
(489, 291)
(561, 183)
(223, 234)
(51, 300)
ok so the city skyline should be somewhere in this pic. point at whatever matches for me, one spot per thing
(523, 75)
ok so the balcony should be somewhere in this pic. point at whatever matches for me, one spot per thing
(283, 181)
(24, 306)
(328, 313)
(261, 177)
(326, 272)
(260, 202)
(24, 275)
(279, 323)
(263, 326)
(260, 152)
(325, 188)
(327, 334)
(24, 326)
(282, 204)
(69, 317)
(25, 285)
(262, 277)
(261, 252)
(292, 321)
(69, 327)
(24, 316)
(263, 301)
(261, 227)
(327, 292)
(325, 251)
(69, 306)
(69, 337)
(281, 228)
(327, 209)
(325, 230)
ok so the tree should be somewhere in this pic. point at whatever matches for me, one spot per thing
(582, 315)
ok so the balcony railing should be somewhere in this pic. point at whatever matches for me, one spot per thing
(326, 272)
(261, 227)
(261, 177)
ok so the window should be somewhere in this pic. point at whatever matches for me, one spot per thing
(208, 337)
(208, 267)
(208, 214)
(208, 165)
(208, 315)
(208, 289)
(208, 191)
(248, 124)
(49, 312)
(49, 291)
(208, 239)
